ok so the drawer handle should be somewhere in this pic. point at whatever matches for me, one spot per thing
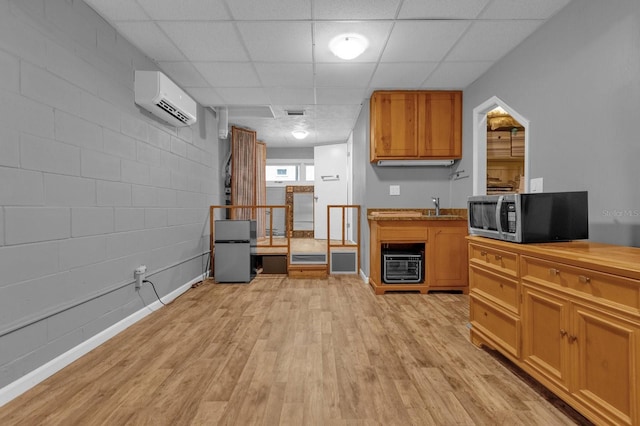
(483, 253)
(498, 257)
(563, 332)
(584, 279)
(572, 338)
(553, 272)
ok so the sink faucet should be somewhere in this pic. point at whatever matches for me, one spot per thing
(436, 201)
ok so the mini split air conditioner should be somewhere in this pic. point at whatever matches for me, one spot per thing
(156, 93)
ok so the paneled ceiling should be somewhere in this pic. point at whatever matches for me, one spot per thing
(265, 57)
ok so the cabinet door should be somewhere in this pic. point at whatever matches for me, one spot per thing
(393, 125)
(447, 257)
(607, 363)
(545, 347)
(440, 124)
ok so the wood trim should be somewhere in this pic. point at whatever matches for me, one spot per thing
(289, 191)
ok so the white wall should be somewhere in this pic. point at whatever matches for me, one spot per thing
(90, 185)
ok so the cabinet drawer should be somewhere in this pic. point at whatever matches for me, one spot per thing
(498, 289)
(502, 327)
(596, 285)
(494, 259)
(408, 231)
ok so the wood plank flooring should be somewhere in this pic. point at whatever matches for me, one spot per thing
(289, 352)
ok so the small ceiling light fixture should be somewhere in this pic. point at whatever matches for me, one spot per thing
(299, 134)
(348, 46)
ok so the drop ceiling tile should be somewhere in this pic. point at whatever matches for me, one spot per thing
(456, 75)
(206, 96)
(355, 9)
(344, 75)
(183, 73)
(422, 41)
(277, 41)
(491, 40)
(181, 10)
(331, 112)
(283, 74)
(375, 32)
(339, 96)
(118, 10)
(401, 75)
(270, 9)
(228, 74)
(290, 95)
(244, 95)
(147, 37)
(206, 41)
(441, 9)
(523, 9)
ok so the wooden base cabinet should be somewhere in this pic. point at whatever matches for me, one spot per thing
(579, 321)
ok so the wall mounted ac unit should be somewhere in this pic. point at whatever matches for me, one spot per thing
(156, 93)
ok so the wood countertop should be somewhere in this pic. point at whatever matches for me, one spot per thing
(409, 214)
(608, 258)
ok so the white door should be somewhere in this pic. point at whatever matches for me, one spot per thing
(330, 170)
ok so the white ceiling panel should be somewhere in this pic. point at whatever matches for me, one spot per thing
(285, 74)
(281, 42)
(206, 96)
(291, 95)
(186, 74)
(441, 9)
(491, 40)
(456, 75)
(355, 9)
(344, 75)
(270, 9)
(244, 95)
(147, 37)
(415, 41)
(184, 10)
(118, 10)
(376, 33)
(273, 55)
(523, 9)
(206, 41)
(228, 74)
(401, 75)
(339, 96)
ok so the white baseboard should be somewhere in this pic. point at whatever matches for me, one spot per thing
(26, 382)
(364, 277)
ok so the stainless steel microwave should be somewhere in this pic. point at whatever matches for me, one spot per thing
(530, 218)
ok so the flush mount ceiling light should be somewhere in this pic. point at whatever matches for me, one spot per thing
(348, 46)
(299, 134)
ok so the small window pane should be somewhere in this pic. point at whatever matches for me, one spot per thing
(309, 172)
(282, 173)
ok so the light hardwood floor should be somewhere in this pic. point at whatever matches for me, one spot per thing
(294, 352)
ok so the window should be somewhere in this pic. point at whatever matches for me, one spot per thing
(282, 172)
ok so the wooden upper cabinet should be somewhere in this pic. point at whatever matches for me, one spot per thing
(416, 125)
(440, 124)
(393, 125)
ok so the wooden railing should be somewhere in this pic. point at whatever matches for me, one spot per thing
(268, 241)
(343, 241)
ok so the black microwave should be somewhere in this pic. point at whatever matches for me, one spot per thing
(530, 218)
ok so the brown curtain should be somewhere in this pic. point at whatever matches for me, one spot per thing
(261, 188)
(243, 169)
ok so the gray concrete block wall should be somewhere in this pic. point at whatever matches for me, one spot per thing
(91, 186)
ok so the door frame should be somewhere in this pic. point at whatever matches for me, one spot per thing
(480, 143)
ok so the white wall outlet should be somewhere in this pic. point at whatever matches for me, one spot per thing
(535, 185)
(139, 274)
(394, 189)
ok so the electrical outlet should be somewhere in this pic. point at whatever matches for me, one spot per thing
(394, 189)
(139, 274)
(535, 185)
